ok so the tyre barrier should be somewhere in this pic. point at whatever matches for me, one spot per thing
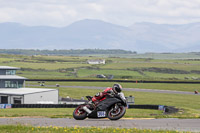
(170, 110)
(145, 106)
(44, 105)
(166, 109)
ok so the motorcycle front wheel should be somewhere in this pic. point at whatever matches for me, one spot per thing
(115, 114)
(79, 113)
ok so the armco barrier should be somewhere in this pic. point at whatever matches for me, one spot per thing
(166, 109)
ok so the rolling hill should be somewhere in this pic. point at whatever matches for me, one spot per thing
(91, 34)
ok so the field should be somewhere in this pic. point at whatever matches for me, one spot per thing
(76, 67)
(65, 67)
(134, 67)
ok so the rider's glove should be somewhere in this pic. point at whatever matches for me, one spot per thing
(109, 92)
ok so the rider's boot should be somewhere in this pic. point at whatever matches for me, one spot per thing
(91, 104)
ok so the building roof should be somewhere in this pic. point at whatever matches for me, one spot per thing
(9, 68)
(11, 77)
(24, 91)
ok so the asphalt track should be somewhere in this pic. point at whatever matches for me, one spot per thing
(126, 89)
(154, 124)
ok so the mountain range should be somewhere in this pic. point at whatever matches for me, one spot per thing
(92, 34)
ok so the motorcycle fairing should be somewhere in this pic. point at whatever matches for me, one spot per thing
(94, 114)
(103, 106)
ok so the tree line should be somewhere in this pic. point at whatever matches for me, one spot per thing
(64, 52)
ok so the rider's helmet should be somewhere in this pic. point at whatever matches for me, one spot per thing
(117, 88)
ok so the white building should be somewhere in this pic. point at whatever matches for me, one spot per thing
(8, 79)
(29, 96)
(99, 61)
(12, 91)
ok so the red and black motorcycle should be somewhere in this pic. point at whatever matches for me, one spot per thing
(113, 107)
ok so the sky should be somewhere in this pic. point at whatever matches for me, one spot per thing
(61, 13)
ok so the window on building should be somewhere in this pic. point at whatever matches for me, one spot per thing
(10, 72)
(4, 99)
(11, 84)
(20, 85)
(17, 101)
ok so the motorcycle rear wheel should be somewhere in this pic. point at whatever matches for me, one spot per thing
(115, 115)
(79, 113)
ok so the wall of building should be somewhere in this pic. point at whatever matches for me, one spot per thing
(49, 97)
(11, 99)
(42, 97)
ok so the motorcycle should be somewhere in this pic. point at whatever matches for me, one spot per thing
(113, 107)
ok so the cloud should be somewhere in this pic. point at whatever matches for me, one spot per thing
(96, 7)
(126, 12)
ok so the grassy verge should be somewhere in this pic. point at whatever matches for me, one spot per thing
(67, 113)
(30, 129)
(189, 105)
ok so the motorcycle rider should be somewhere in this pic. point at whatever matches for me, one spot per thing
(111, 103)
(100, 96)
(117, 88)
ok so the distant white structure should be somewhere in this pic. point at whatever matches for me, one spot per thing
(99, 61)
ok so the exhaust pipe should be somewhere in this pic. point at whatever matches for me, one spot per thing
(87, 110)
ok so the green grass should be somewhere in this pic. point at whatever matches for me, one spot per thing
(117, 73)
(189, 105)
(57, 129)
(156, 76)
(45, 74)
(67, 113)
(49, 65)
(37, 112)
(147, 64)
(157, 86)
(178, 100)
(46, 65)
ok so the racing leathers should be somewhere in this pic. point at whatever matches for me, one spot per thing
(102, 95)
